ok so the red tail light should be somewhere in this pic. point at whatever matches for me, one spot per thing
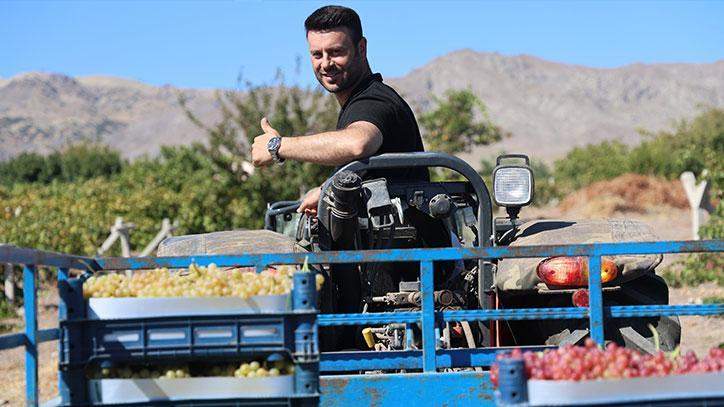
(580, 298)
(573, 271)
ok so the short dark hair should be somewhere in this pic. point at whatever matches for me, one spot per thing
(330, 17)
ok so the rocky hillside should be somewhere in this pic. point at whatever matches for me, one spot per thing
(41, 112)
(549, 107)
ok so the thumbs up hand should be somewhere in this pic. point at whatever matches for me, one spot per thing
(260, 156)
(268, 129)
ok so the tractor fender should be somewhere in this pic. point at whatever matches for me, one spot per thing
(229, 242)
(520, 274)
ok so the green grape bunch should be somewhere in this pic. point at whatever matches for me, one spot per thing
(256, 369)
(144, 372)
(250, 369)
(196, 281)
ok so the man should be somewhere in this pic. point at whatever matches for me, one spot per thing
(373, 119)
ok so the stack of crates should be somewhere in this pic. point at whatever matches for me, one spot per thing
(104, 333)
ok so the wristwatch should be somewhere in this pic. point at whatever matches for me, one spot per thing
(273, 147)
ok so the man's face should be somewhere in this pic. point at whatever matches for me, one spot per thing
(336, 61)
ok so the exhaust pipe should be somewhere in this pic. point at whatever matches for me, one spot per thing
(344, 196)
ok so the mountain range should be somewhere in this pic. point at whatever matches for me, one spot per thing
(548, 107)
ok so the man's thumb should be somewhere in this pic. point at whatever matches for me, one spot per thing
(266, 126)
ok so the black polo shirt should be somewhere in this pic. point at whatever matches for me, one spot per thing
(373, 101)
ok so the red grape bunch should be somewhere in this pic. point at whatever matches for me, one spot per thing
(590, 362)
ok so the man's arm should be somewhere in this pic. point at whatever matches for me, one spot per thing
(358, 140)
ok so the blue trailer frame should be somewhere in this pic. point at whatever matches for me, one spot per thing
(429, 387)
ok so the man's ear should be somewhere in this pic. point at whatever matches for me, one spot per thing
(362, 47)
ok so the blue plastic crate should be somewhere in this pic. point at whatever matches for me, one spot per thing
(84, 340)
(87, 341)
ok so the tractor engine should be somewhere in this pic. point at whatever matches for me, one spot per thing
(360, 215)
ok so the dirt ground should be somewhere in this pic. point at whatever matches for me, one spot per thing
(670, 223)
(12, 361)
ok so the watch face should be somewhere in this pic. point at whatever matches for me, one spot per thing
(273, 143)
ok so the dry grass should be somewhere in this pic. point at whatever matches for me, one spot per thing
(629, 193)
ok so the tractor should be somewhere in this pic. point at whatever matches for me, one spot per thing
(360, 211)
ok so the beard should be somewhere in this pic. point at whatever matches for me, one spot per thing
(345, 79)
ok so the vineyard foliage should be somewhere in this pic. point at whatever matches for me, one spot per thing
(204, 186)
(696, 269)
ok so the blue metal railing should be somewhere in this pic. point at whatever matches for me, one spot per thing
(429, 359)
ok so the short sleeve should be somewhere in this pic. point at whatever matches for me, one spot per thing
(370, 109)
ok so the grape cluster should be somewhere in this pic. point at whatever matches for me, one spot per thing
(590, 362)
(129, 372)
(196, 281)
(256, 369)
(246, 369)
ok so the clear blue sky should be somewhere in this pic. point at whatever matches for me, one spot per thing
(206, 44)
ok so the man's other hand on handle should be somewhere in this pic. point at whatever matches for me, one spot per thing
(310, 202)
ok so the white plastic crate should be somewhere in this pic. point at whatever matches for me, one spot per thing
(639, 389)
(120, 391)
(132, 307)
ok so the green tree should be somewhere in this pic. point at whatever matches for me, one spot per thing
(86, 161)
(453, 126)
(25, 167)
(546, 188)
(76, 162)
(694, 145)
(594, 162)
(75, 217)
(293, 111)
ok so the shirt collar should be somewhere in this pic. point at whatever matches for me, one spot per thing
(364, 84)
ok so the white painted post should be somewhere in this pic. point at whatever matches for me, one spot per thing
(125, 244)
(111, 238)
(166, 230)
(694, 194)
(9, 283)
(119, 230)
